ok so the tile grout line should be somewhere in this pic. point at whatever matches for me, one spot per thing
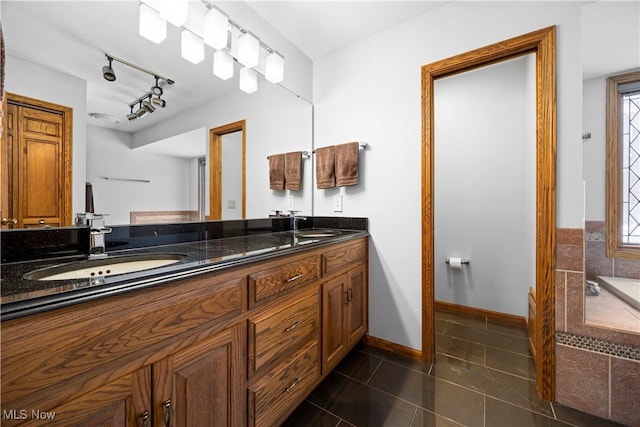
(340, 419)
(374, 372)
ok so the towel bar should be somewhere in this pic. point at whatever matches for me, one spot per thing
(363, 146)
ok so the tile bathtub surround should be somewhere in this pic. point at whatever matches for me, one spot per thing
(586, 379)
(601, 384)
(570, 295)
(597, 263)
(483, 376)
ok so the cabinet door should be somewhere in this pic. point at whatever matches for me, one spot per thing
(334, 322)
(204, 384)
(125, 402)
(357, 306)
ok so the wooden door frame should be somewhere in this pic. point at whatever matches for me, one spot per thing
(67, 146)
(542, 43)
(215, 168)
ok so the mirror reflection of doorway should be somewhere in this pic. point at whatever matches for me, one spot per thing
(227, 181)
(36, 163)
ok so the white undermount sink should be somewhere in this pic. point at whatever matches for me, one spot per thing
(317, 233)
(102, 267)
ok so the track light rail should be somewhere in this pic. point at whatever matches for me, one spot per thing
(139, 68)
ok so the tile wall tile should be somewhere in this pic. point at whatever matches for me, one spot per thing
(582, 380)
(575, 300)
(625, 391)
(561, 286)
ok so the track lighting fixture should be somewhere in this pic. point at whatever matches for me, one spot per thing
(107, 71)
(147, 101)
(132, 115)
(141, 111)
(159, 102)
(147, 106)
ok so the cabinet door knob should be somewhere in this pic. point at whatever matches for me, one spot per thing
(9, 221)
(294, 326)
(294, 278)
(167, 412)
(295, 382)
(145, 418)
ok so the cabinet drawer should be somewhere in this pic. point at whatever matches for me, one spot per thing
(268, 284)
(280, 331)
(336, 259)
(273, 395)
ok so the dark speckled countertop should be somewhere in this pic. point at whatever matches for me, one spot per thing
(21, 297)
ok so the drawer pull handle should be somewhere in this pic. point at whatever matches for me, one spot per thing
(295, 382)
(294, 278)
(167, 412)
(294, 326)
(145, 418)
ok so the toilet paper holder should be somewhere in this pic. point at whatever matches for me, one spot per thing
(464, 261)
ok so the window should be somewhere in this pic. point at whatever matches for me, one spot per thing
(623, 165)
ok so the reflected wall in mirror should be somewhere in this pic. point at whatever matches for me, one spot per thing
(46, 42)
(612, 284)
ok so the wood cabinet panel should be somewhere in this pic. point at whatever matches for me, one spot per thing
(334, 322)
(49, 358)
(266, 285)
(123, 402)
(203, 385)
(337, 259)
(273, 396)
(357, 304)
(279, 331)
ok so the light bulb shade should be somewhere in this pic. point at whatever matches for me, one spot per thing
(147, 106)
(141, 112)
(248, 80)
(274, 68)
(222, 65)
(159, 102)
(192, 47)
(174, 11)
(152, 26)
(132, 116)
(216, 29)
(108, 73)
(248, 50)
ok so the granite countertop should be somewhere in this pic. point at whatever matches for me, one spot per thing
(21, 296)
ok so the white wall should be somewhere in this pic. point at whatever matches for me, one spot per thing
(276, 122)
(232, 176)
(34, 81)
(594, 92)
(484, 198)
(370, 91)
(109, 154)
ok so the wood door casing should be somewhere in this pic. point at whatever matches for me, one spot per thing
(37, 164)
(542, 43)
(215, 168)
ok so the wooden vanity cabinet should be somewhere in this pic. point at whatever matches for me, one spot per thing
(344, 315)
(244, 346)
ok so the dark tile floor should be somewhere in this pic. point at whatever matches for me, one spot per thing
(483, 376)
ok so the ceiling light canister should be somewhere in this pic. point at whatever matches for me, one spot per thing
(274, 67)
(107, 71)
(192, 47)
(248, 80)
(175, 11)
(222, 65)
(152, 26)
(216, 29)
(248, 50)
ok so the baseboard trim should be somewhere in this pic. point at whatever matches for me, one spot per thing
(402, 350)
(502, 317)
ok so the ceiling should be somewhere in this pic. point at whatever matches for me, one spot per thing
(72, 37)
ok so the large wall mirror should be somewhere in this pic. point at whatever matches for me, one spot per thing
(155, 168)
(610, 43)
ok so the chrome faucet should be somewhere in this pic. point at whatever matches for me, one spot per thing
(294, 220)
(97, 229)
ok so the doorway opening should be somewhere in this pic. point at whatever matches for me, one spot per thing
(542, 44)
